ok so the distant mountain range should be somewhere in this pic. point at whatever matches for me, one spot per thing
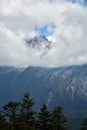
(53, 86)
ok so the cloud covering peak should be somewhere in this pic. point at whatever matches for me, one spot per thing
(18, 20)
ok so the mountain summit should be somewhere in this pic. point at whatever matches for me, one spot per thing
(39, 42)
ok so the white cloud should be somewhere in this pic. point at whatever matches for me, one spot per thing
(18, 19)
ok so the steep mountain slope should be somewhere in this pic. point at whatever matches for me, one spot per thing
(75, 119)
(53, 86)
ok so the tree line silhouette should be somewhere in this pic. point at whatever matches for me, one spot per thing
(21, 116)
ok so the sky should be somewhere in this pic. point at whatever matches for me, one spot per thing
(64, 22)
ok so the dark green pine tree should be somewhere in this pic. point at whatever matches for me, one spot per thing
(84, 124)
(10, 111)
(26, 113)
(43, 118)
(4, 125)
(58, 119)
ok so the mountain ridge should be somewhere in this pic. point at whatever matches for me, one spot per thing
(54, 86)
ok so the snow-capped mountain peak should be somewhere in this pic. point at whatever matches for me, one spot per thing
(39, 42)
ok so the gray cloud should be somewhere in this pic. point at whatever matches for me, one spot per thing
(18, 19)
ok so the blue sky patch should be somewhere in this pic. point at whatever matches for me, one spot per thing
(45, 30)
(84, 2)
